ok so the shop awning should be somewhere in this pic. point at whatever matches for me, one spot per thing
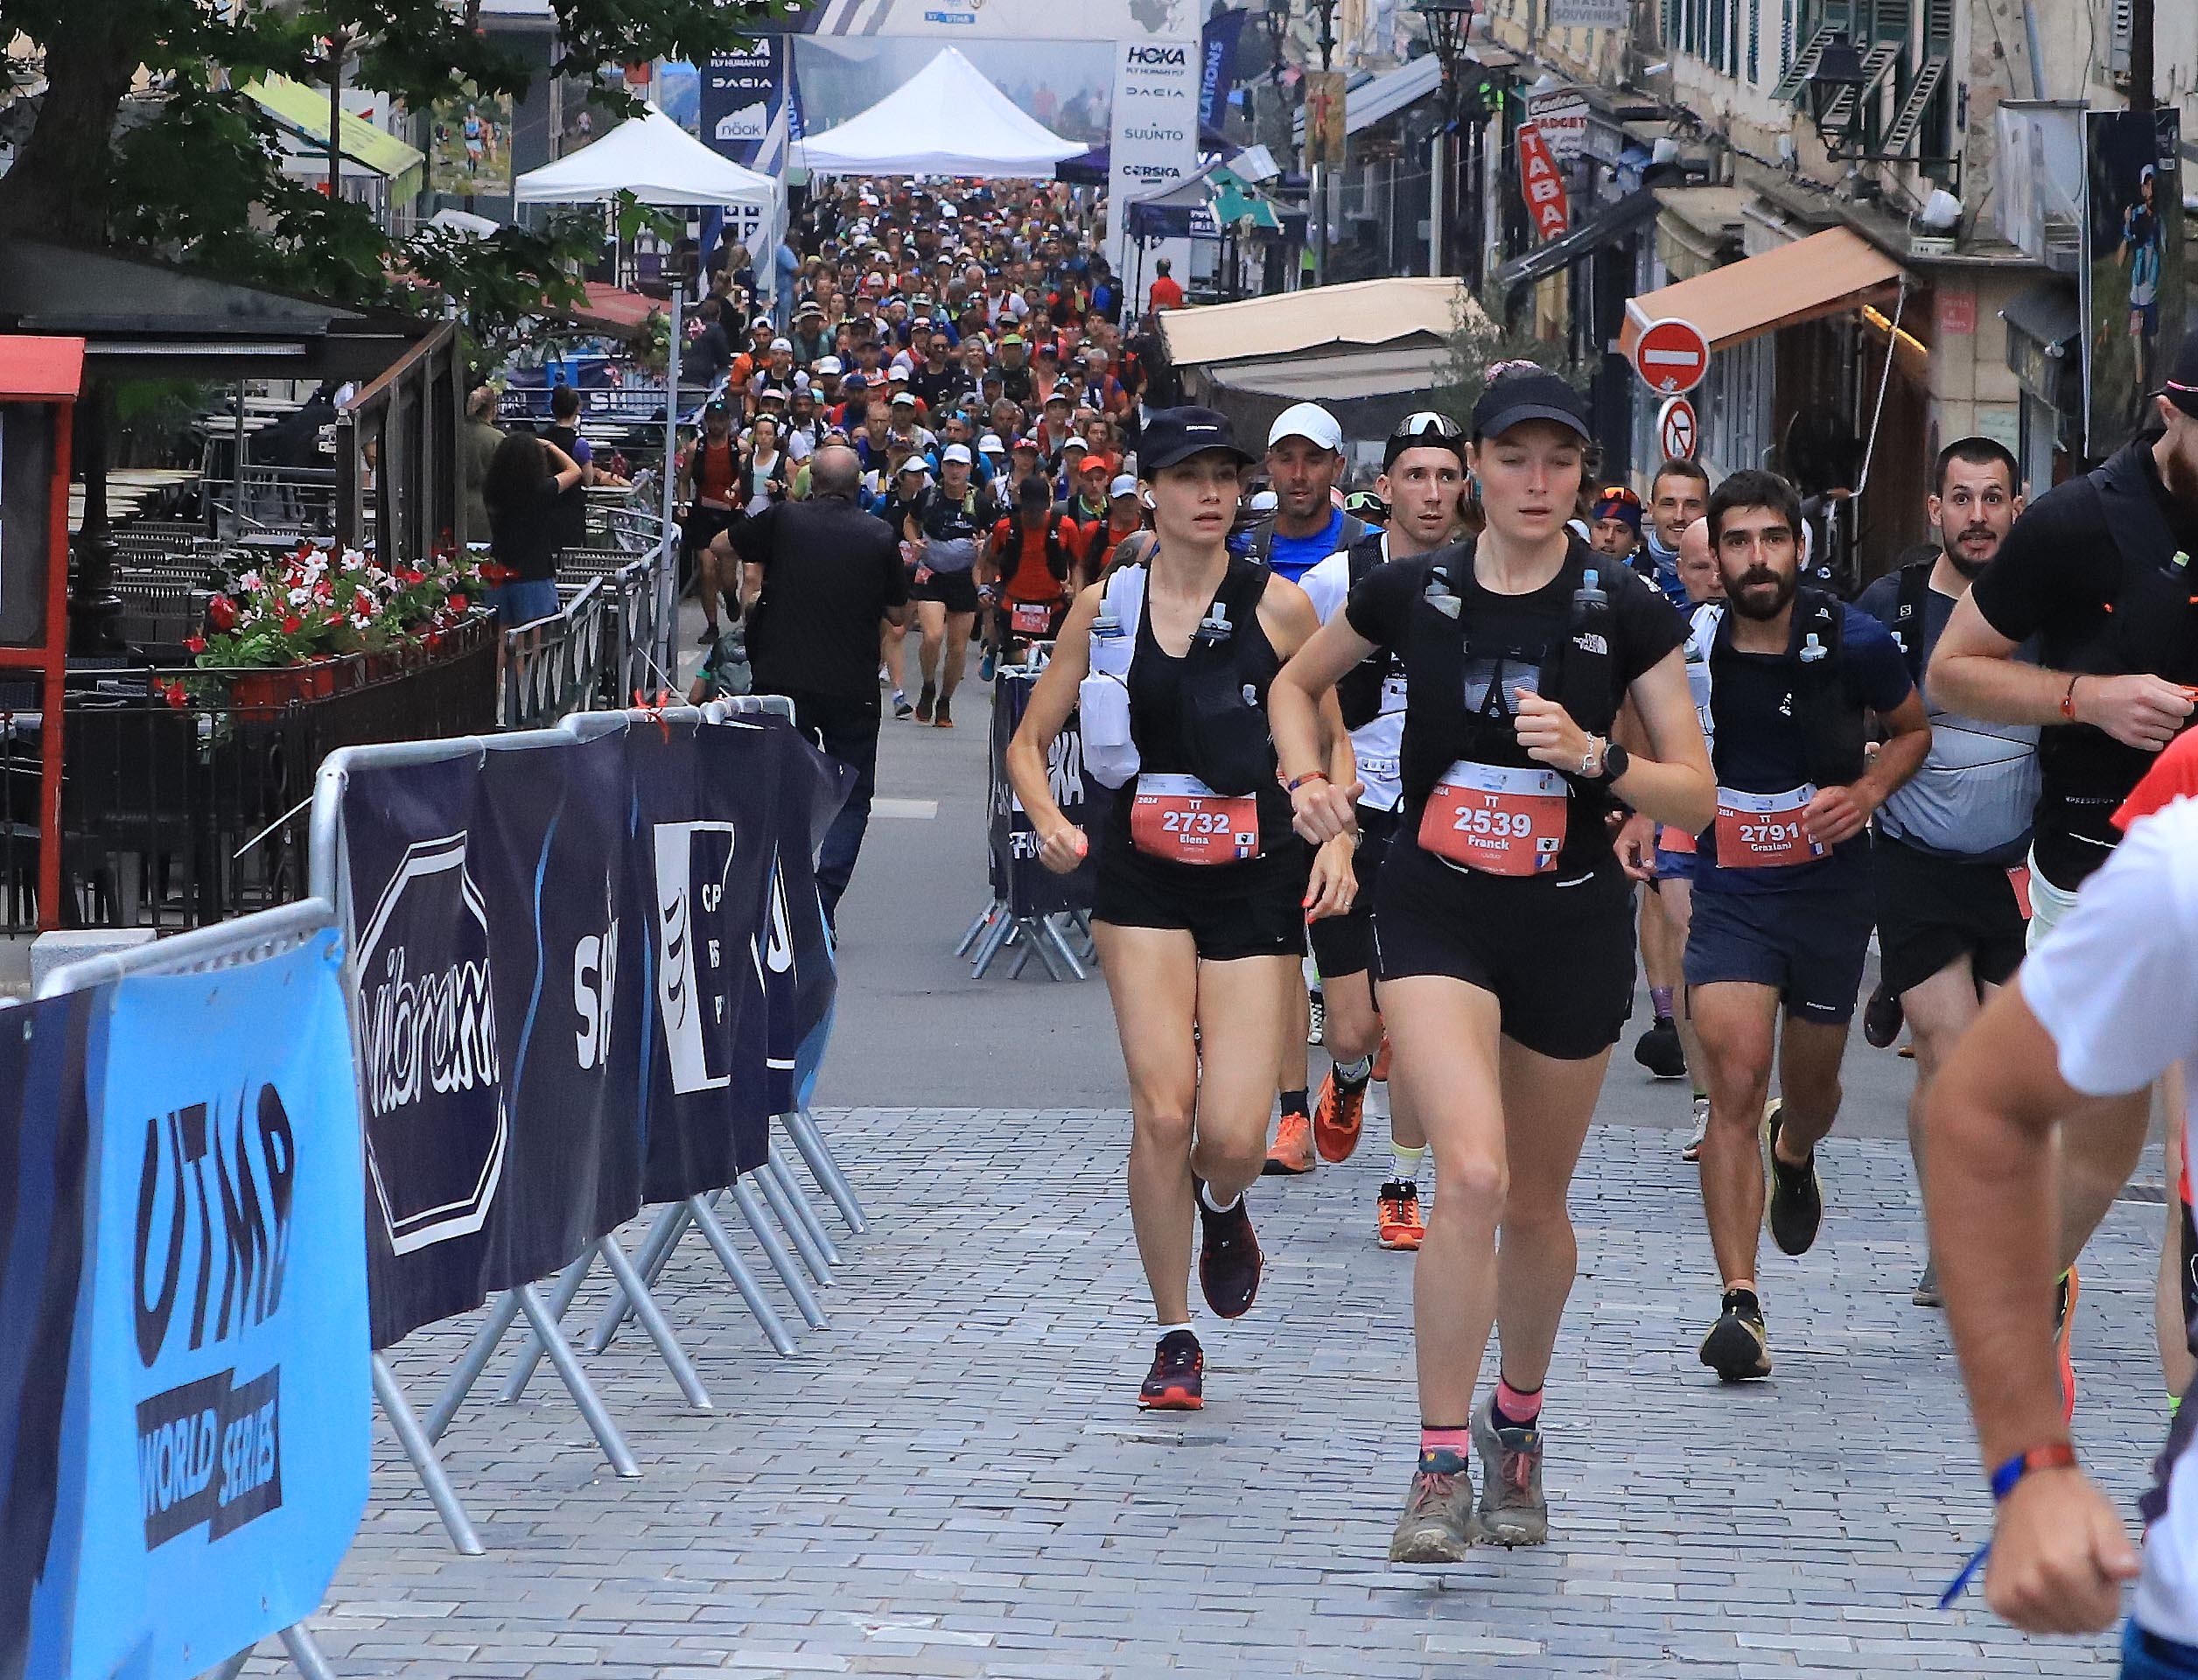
(305, 111)
(1824, 274)
(1613, 222)
(2045, 332)
(2049, 311)
(1360, 313)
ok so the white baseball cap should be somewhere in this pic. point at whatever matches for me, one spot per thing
(1309, 421)
(1125, 484)
(1265, 501)
(991, 445)
(781, 344)
(827, 367)
(954, 452)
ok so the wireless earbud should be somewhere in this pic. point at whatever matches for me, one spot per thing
(1146, 498)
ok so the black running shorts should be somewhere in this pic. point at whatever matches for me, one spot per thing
(1932, 910)
(1344, 944)
(1558, 955)
(955, 590)
(1230, 910)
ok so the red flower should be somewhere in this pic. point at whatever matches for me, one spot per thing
(221, 613)
(174, 695)
(194, 644)
(292, 624)
(458, 603)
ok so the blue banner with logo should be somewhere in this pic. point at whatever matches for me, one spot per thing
(218, 1451)
(1026, 885)
(44, 1178)
(1217, 43)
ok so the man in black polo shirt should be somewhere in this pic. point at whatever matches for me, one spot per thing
(817, 578)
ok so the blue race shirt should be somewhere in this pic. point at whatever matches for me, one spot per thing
(1293, 556)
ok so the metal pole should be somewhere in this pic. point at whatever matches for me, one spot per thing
(530, 1360)
(577, 1384)
(809, 1141)
(1435, 201)
(238, 451)
(782, 1261)
(779, 1169)
(656, 1250)
(336, 44)
(743, 1279)
(421, 1451)
(795, 1227)
(501, 1315)
(305, 1655)
(652, 1321)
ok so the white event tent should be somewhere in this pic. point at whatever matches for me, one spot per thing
(658, 162)
(945, 120)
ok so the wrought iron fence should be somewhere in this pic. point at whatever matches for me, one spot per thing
(187, 805)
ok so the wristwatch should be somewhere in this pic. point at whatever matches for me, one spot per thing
(1603, 762)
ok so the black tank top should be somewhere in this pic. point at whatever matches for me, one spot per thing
(1170, 698)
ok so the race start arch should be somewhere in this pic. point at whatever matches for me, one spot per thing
(748, 98)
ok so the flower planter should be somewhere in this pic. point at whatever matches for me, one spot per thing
(268, 694)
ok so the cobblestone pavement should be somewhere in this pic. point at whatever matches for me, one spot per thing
(952, 1479)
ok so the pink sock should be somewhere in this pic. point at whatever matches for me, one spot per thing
(1519, 1410)
(1459, 1441)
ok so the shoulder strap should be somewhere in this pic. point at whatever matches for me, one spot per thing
(1262, 539)
(1908, 616)
(1831, 720)
(1364, 556)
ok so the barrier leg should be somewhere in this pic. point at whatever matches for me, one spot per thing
(743, 1279)
(818, 1157)
(988, 947)
(1055, 937)
(656, 1252)
(984, 921)
(1034, 932)
(575, 1382)
(502, 1312)
(784, 1264)
(305, 1655)
(421, 1451)
(234, 1666)
(809, 1216)
(796, 1227)
(568, 1282)
(652, 1321)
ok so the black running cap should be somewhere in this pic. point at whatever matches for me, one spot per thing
(1174, 435)
(2181, 385)
(1512, 399)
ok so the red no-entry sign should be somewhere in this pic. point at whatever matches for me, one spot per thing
(1672, 356)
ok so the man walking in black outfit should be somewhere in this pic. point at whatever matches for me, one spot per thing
(817, 576)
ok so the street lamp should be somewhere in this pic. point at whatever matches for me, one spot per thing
(1840, 74)
(1276, 21)
(1447, 23)
(1326, 10)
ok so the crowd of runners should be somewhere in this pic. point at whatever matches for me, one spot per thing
(1456, 750)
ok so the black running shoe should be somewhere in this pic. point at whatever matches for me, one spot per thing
(1796, 1205)
(1176, 1382)
(1659, 1051)
(1737, 1348)
(1228, 1259)
(1882, 1017)
(926, 700)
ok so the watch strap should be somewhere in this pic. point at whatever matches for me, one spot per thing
(2053, 1455)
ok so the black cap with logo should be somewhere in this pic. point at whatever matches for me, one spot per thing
(1174, 435)
(2181, 387)
(1514, 397)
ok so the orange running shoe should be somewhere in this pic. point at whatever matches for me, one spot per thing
(1338, 1118)
(1398, 1224)
(1381, 1061)
(2063, 1325)
(1292, 1153)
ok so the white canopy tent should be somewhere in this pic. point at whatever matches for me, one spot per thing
(658, 162)
(945, 120)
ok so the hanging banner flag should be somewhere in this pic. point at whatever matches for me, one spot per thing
(1026, 885)
(1153, 145)
(742, 93)
(226, 1437)
(1326, 131)
(1217, 43)
(45, 1160)
(1542, 184)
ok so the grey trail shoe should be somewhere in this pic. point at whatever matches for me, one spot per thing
(1437, 1526)
(1513, 1511)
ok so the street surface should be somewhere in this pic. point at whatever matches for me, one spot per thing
(953, 1480)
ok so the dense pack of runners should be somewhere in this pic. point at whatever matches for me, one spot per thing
(1458, 748)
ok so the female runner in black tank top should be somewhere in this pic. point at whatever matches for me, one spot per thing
(1501, 921)
(1200, 945)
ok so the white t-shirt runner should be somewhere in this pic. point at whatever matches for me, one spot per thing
(1377, 745)
(2117, 987)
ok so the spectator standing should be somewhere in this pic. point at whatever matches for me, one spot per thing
(521, 488)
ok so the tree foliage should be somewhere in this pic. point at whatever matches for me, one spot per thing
(199, 179)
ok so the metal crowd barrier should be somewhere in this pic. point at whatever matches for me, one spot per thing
(249, 939)
(632, 1283)
(609, 641)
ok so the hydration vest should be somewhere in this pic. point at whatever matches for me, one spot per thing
(1832, 724)
(1358, 692)
(1907, 615)
(1263, 536)
(1574, 669)
(1224, 742)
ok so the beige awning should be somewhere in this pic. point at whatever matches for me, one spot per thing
(1827, 273)
(1364, 311)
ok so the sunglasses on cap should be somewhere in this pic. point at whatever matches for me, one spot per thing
(1617, 492)
(1428, 423)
